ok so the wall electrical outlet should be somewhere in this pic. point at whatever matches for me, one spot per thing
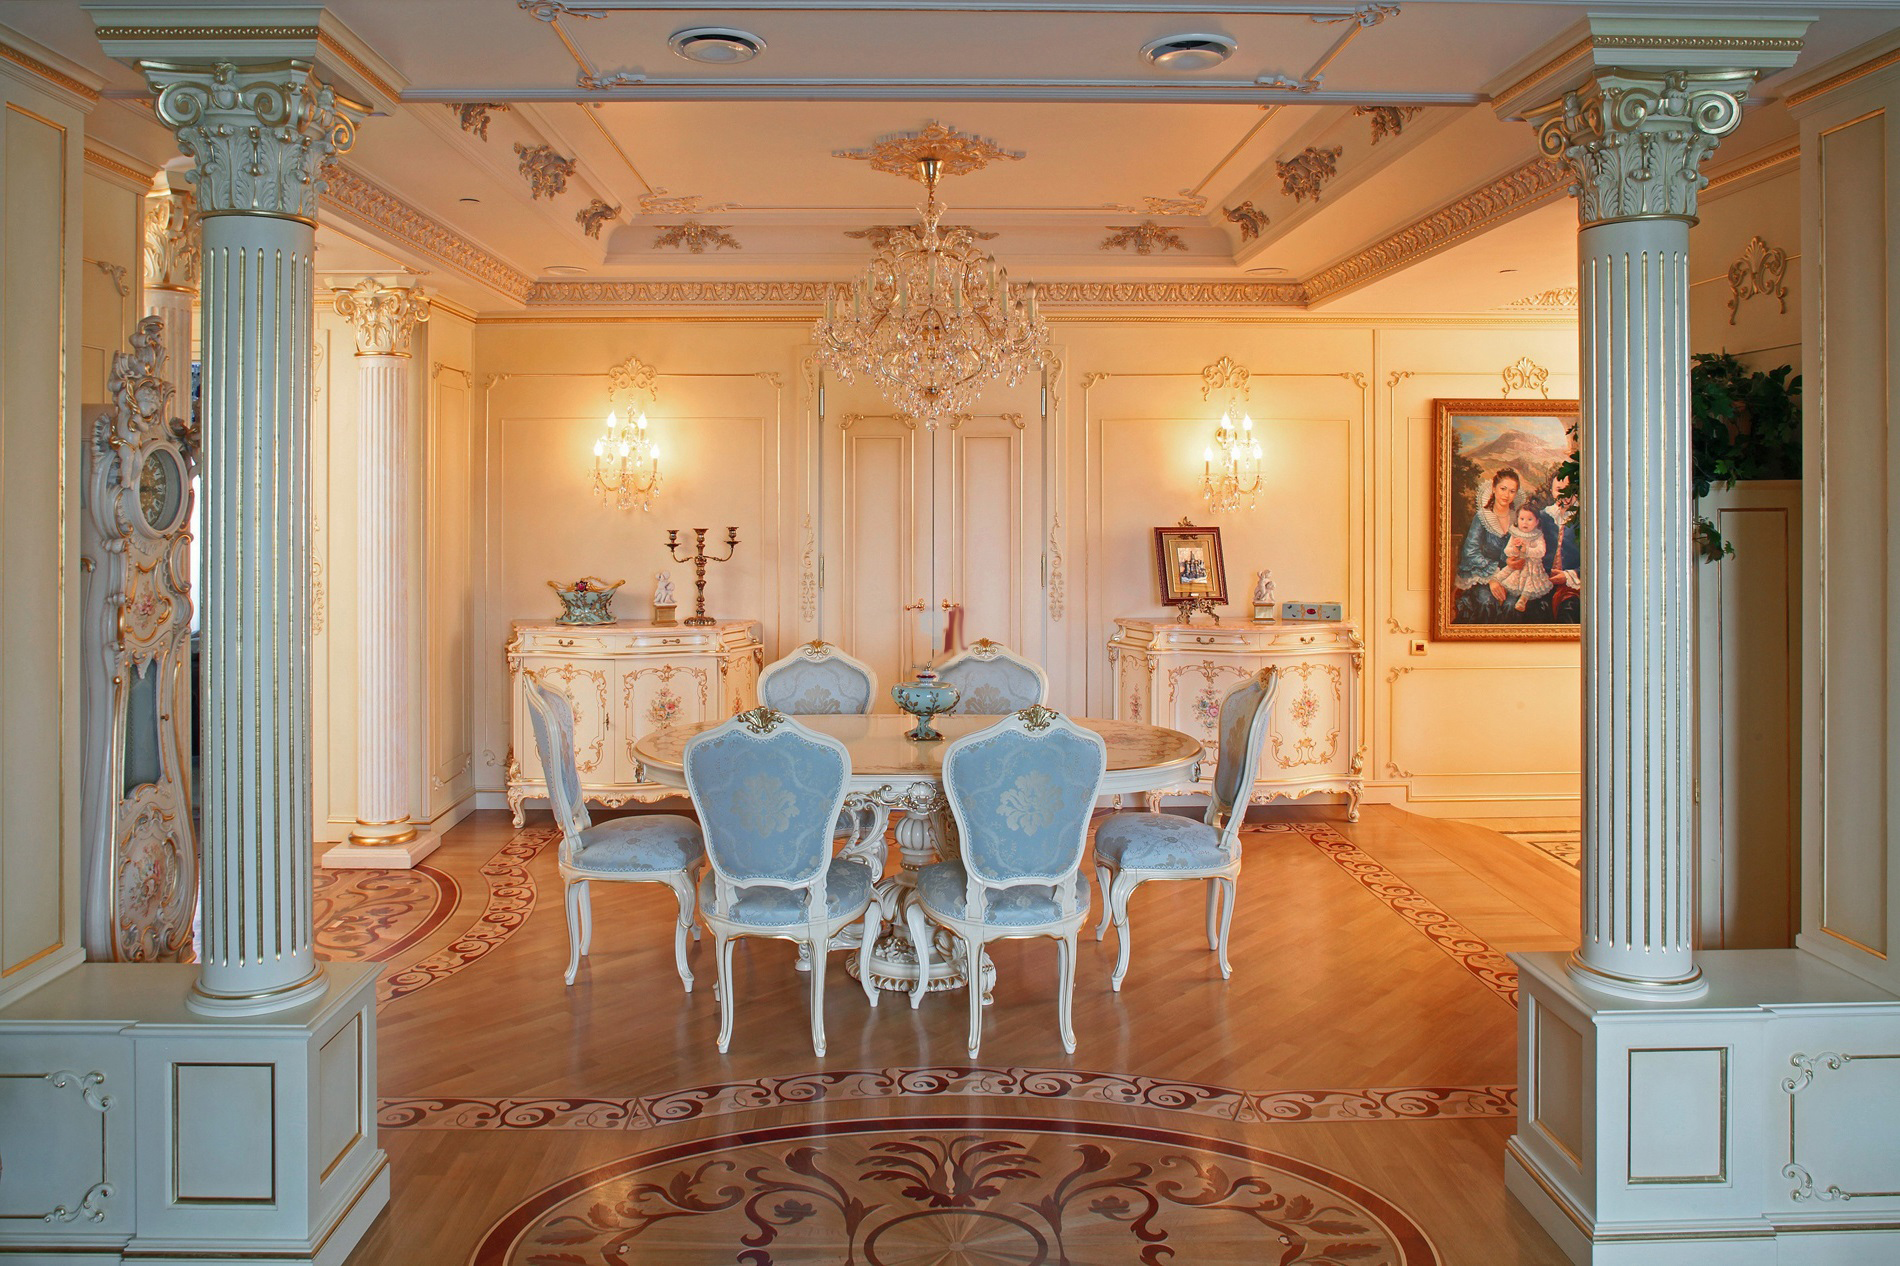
(1417, 646)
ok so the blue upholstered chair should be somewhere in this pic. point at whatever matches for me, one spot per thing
(648, 848)
(991, 680)
(768, 790)
(818, 678)
(1021, 792)
(1133, 848)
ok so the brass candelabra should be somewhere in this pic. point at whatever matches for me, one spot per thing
(699, 558)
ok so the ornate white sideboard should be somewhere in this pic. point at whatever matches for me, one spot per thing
(624, 679)
(1175, 674)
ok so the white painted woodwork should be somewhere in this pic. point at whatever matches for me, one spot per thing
(1748, 720)
(624, 680)
(1175, 674)
(383, 783)
(877, 546)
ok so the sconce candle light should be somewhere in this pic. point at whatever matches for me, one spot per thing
(1230, 466)
(626, 464)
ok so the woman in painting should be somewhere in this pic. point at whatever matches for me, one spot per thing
(1482, 561)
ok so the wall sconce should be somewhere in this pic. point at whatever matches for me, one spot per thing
(1230, 466)
(626, 463)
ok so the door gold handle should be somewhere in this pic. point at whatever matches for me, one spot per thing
(914, 606)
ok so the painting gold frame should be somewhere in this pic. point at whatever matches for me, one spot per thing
(1529, 437)
(1179, 551)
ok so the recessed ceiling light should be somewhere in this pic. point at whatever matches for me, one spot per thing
(716, 45)
(565, 270)
(1188, 52)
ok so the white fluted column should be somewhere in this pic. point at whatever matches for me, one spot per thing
(259, 135)
(384, 319)
(1635, 142)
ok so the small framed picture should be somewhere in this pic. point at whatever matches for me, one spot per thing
(1190, 565)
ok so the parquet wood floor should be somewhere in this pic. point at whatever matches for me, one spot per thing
(500, 1082)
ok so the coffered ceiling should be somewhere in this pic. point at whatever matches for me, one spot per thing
(1336, 148)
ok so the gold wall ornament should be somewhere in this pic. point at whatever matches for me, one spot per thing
(1302, 176)
(1388, 120)
(696, 237)
(1142, 238)
(1761, 270)
(955, 153)
(383, 317)
(117, 273)
(595, 214)
(545, 171)
(171, 240)
(473, 115)
(1249, 217)
(1526, 375)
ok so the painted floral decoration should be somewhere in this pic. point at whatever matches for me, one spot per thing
(1305, 708)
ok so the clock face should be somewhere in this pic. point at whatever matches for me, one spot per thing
(161, 489)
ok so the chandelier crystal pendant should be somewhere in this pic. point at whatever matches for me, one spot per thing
(626, 464)
(934, 319)
(1230, 468)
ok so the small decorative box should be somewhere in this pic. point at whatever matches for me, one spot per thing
(1312, 611)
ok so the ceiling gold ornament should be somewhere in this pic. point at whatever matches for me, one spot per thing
(1562, 299)
(1173, 293)
(1142, 238)
(1761, 270)
(48, 73)
(1634, 141)
(956, 154)
(171, 241)
(880, 236)
(1526, 375)
(473, 115)
(383, 317)
(1249, 217)
(595, 214)
(696, 237)
(354, 194)
(1187, 203)
(1302, 175)
(660, 202)
(545, 171)
(1388, 120)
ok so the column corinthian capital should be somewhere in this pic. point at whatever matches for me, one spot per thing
(383, 317)
(259, 134)
(171, 239)
(1634, 141)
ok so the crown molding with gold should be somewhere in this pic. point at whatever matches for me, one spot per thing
(351, 193)
(118, 167)
(66, 79)
(1875, 55)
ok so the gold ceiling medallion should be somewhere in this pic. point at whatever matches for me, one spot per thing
(955, 153)
(1388, 120)
(934, 319)
(1761, 270)
(595, 214)
(1249, 217)
(545, 171)
(1302, 175)
(696, 237)
(473, 115)
(880, 236)
(1142, 238)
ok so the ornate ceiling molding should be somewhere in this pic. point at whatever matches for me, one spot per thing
(362, 199)
(1143, 238)
(901, 153)
(49, 73)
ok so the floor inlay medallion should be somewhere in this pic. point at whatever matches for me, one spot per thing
(510, 902)
(1565, 846)
(1388, 1103)
(1492, 969)
(371, 916)
(942, 1191)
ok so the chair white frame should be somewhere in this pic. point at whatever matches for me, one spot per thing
(1071, 890)
(817, 651)
(571, 815)
(985, 651)
(814, 936)
(1118, 883)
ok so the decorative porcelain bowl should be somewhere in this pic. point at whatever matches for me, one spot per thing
(589, 600)
(924, 698)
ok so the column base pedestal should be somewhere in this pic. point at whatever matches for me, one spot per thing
(352, 856)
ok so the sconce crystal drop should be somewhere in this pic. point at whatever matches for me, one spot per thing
(1230, 470)
(626, 464)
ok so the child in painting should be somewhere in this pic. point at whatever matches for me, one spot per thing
(1524, 573)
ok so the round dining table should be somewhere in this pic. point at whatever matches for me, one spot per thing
(890, 772)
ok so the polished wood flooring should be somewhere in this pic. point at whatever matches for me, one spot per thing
(1368, 1031)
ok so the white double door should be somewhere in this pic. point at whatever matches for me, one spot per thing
(931, 533)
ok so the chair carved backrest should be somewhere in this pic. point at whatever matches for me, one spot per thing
(992, 680)
(767, 790)
(1244, 712)
(818, 678)
(551, 716)
(1022, 792)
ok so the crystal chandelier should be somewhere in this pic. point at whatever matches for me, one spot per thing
(1230, 469)
(934, 319)
(626, 464)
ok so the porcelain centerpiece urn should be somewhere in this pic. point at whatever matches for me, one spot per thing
(924, 698)
(589, 600)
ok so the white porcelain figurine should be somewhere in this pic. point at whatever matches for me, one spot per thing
(1263, 588)
(663, 590)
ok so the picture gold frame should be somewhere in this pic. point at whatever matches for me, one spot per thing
(1190, 566)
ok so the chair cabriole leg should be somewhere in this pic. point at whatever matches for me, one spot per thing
(973, 955)
(722, 951)
(1103, 878)
(572, 900)
(1232, 885)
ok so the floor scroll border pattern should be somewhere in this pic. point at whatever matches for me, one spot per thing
(511, 899)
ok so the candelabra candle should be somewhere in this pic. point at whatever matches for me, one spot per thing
(699, 558)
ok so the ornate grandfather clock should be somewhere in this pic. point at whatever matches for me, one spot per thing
(141, 859)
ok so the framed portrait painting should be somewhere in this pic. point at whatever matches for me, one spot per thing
(1507, 557)
(1190, 565)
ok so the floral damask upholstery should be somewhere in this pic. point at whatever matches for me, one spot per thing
(991, 681)
(1239, 761)
(818, 679)
(946, 885)
(1158, 841)
(847, 888)
(652, 848)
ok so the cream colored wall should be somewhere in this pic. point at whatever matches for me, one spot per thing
(110, 276)
(1345, 414)
(42, 223)
(1757, 329)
